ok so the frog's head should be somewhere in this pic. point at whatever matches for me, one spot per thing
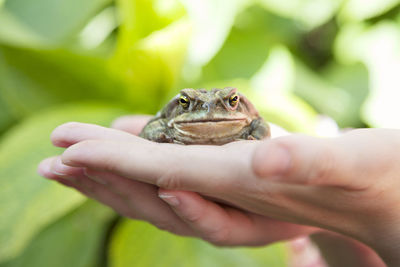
(215, 112)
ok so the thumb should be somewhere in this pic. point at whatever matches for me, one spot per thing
(346, 161)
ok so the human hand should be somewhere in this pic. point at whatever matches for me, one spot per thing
(194, 216)
(329, 183)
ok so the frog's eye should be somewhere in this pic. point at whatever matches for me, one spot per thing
(233, 100)
(184, 101)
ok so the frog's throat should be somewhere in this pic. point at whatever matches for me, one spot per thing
(173, 122)
(222, 128)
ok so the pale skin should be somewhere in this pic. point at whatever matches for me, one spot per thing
(280, 188)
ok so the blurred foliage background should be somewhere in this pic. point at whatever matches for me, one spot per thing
(308, 65)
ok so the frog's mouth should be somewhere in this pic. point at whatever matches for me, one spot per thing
(211, 128)
(215, 120)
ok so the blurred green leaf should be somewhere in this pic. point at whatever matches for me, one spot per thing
(140, 18)
(378, 48)
(212, 21)
(99, 30)
(353, 82)
(311, 13)
(77, 239)
(6, 118)
(54, 21)
(140, 244)
(273, 85)
(34, 79)
(149, 58)
(338, 92)
(248, 45)
(357, 10)
(28, 201)
(13, 32)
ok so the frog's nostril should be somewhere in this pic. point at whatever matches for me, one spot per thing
(206, 106)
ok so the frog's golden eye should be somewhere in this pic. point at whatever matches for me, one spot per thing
(233, 100)
(184, 101)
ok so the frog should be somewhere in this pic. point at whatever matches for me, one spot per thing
(206, 117)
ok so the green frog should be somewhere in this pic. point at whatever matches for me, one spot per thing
(215, 117)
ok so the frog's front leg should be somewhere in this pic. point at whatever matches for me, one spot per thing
(157, 131)
(259, 129)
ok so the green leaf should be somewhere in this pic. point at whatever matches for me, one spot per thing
(54, 21)
(13, 32)
(34, 79)
(77, 239)
(357, 10)
(377, 47)
(212, 21)
(29, 202)
(6, 118)
(350, 81)
(140, 244)
(310, 13)
(338, 93)
(249, 44)
(140, 18)
(151, 50)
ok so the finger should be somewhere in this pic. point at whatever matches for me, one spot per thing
(304, 253)
(208, 219)
(71, 133)
(166, 165)
(318, 161)
(143, 200)
(225, 225)
(46, 170)
(52, 168)
(129, 198)
(132, 124)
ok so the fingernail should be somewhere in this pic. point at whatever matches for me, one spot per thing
(94, 177)
(170, 199)
(44, 168)
(271, 159)
(58, 168)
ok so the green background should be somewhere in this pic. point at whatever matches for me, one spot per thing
(311, 66)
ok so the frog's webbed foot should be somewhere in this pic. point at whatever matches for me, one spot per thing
(250, 137)
(157, 131)
(163, 138)
(244, 138)
(259, 130)
(178, 142)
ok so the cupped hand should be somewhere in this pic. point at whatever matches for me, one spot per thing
(180, 212)
(347, 184)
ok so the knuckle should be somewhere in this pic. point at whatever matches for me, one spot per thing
(193, 217)
(218, 237)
